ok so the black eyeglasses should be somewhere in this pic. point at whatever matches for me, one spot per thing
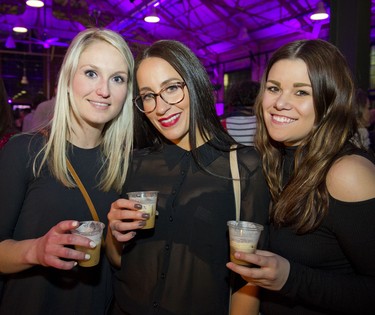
(171, 94)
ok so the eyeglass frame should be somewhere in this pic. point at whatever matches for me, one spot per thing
(181, 85)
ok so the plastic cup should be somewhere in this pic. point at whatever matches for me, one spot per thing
(243, 237)
(94, 231)
(148, 201)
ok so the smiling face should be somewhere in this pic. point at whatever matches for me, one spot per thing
(288, 106)
(99, 86)
(172, 121)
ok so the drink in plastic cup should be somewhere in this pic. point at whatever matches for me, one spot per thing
(148, 201)
(94, 231)
(243, 237)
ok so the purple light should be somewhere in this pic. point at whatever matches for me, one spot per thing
(219, 109)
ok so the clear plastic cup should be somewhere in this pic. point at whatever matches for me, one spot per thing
(243, 237)
(94, 231)
(148, 201)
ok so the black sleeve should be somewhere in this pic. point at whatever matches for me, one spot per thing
(353, 293)
(15, 170)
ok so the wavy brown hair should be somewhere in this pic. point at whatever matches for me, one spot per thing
(303, 201)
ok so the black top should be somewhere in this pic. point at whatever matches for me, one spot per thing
(29, 208)
(179, 267)
(333, 268)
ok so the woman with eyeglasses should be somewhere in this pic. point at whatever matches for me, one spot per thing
(179, 267)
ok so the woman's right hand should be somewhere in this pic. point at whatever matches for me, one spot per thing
(272, 271)
(124, 218)
(55, 248)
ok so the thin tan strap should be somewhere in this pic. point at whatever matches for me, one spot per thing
(83, 191)
(236, 179)
(237, 198)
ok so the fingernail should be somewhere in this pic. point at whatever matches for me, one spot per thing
(138, 206)
(92, 244)
(145, 215)
(75, 264)
(134, 234)
(75, 223)
(87, 256)
(142, 223)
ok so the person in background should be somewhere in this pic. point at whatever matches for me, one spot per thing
(7, 127)
(241, 121)
(27, 120)
(44, 112)
(362, 110)
(93, 129)
(322, 236)
(179, 267)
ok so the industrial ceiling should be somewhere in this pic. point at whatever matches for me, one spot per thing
(229, 33)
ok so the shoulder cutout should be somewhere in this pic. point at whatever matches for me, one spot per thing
(351, 179)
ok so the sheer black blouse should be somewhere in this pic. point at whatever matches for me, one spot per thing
(179, 267)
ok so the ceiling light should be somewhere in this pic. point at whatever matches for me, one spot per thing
(10, 44)
(320, 13)
(152, 17)
(20, 29)
(35, 3)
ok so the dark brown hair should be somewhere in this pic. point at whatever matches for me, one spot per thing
(303, 202)
(203, 115)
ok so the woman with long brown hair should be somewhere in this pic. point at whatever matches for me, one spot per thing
(322, 236)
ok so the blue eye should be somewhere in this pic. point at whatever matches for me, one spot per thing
(119, 79)
(90, 73)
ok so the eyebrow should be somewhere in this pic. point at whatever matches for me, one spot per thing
(301, 84)
(298, 84)
(146, 88)
(95, 67)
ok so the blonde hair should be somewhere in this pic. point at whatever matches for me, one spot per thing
(117, 137)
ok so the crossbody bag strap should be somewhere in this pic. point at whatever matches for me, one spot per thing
(83, 191)
(236, 179)
(233, 162)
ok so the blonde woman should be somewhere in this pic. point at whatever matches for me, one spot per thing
(92, 128)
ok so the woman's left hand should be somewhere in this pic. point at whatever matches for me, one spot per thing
(272, 273)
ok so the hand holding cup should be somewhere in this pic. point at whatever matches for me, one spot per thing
(94, 231)
(243, 237)
(148, 201)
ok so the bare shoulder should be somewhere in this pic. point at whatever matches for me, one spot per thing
(352, 178)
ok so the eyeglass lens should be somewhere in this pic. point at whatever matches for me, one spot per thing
(171, 94)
